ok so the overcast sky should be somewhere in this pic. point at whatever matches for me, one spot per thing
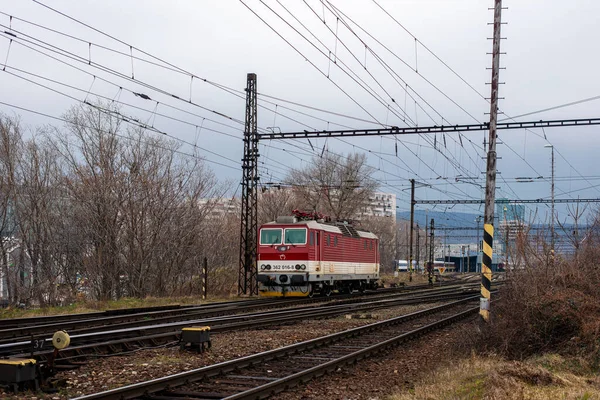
(551, 59)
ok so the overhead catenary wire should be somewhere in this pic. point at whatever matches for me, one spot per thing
(65, 53)
(232, 91)
(317, 68)
(13, 106)
(293, 46)
(477, 92)
(129, 120)
(146, 110)
(388, 68)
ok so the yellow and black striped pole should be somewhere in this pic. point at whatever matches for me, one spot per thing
(490, 182)
(486, 271)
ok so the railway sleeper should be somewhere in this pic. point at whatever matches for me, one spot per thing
(115, 349)
(255, 378)
(198, 395)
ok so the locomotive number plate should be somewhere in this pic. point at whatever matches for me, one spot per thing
(281, 267)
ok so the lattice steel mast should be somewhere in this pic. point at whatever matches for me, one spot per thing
(247, 283)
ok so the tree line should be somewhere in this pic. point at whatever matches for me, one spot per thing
(101, 209)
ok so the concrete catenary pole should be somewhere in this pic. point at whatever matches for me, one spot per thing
(490, 184)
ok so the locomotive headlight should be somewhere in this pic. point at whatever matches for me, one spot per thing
(268, 267)
(303, 267)
(297, 266)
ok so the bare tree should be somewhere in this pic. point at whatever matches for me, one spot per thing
(10, 147)
(96, 175)
(137, 201)
(36, 192)
(104, 204)
(335, 185)
(274, 202)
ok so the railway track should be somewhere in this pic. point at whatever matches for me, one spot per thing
(263, 374)
(115, 341)
(21, 328)
(80, 327)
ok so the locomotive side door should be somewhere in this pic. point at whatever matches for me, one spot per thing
(318, 250)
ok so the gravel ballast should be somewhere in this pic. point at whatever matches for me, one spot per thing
(363, 381)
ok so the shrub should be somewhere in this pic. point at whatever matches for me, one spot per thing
(549, 305)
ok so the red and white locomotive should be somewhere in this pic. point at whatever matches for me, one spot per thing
(307, 257)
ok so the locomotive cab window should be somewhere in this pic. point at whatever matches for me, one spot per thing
(270, 236)
(295, 236)
(311, 238)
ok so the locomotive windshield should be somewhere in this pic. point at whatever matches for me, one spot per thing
(295, 236)
(270, 236)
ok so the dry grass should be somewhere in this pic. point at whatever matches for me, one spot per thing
(93, 306)
(403, 278)
(546, 377)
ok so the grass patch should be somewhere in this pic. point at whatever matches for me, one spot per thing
(95, 306)
(472, 388)
(545, 377)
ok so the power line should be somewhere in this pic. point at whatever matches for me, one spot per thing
(112, 71)
(553, 108)
(342, 15)
(317, 68)
(118, 135)
(123, 118)
(507, 201)
(67, 54)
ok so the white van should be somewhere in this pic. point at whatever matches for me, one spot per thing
(402, 265)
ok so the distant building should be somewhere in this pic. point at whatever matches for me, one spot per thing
(381, 205)
(219, 207)
(509, 212)
(511, 223)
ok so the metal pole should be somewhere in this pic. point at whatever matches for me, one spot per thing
(426, 238)
(552, 195)
(418, 240)
(490, 184)
(431, 256)
(397, 255)
(477, 265)
(412, 221)
(247, 275)
(468, 258)
(432, 242)
(505, 239)
(444, 249)
(205, 279)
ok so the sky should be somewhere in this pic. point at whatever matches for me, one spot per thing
(355, 63)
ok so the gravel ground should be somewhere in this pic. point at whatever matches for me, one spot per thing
(394, 373)
(111, 372)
